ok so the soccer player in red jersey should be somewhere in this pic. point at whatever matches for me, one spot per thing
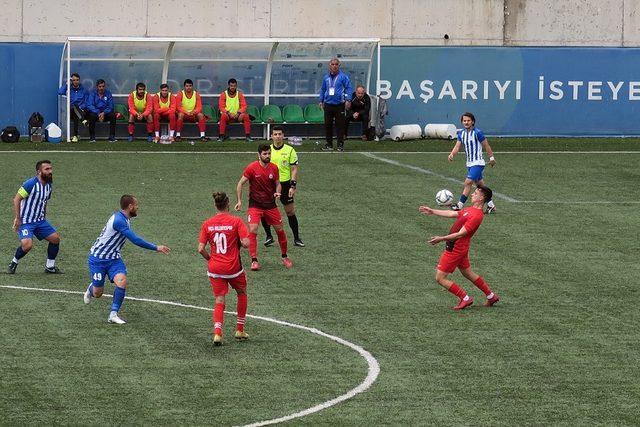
(456, 254)
(225, 234)
(264, 189)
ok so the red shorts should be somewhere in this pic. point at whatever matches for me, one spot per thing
(449, 261)
(220, 286)
(254, 216)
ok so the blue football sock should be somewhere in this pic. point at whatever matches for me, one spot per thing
(90, 289)
(19, 253)
(52, 250)
(118, 297)
(463, 199)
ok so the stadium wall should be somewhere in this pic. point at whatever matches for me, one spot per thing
(29, 75)
(395, 22)
(531, 91)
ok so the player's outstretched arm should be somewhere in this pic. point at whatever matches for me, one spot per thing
(449, 237)
(137, 240)
(163, 249)
(202, 249)
(438, 212)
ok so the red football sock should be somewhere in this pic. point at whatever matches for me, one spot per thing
(457, 291)
(253, 245)
(202, 125)
(149, 127)
(482, 285)
(218, 318)
(247, 124)
(131, 128)
(242, 311)
(179, 124)
(282, 241)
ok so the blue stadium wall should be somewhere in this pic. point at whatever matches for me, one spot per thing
(29, 75)
(512, 91)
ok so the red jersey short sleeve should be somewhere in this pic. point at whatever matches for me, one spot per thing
(469, 218)
(262, 184)
(223, 233)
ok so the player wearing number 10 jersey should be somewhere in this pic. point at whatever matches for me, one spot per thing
(225, 234)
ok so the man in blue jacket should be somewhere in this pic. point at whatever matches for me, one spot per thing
(335, 95)
(78, 103)
(100, 109)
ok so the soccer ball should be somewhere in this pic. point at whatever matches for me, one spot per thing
(444, 198)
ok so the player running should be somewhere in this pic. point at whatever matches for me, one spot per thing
(456, 254)
(105, 260)
(473, 140)
(264, 189)
(30, 210)
(225, 233)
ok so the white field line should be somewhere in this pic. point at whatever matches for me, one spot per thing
(432, 173)
(439, 153)
(372, 375)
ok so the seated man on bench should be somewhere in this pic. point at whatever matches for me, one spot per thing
(140, 110)
(233, 108)
(189, 108)
(359, 111)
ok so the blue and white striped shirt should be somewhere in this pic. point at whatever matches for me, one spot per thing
(33, 206)
(113, 236)
(472, 142)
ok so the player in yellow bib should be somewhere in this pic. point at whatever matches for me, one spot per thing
(189, 109)
(285, 157)
(140, 110)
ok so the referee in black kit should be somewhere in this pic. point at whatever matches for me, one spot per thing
(335, 95)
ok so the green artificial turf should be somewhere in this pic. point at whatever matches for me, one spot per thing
(559, 348)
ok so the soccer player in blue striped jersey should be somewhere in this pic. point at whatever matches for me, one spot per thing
(105, 259)
(30, 209)
(474, 141)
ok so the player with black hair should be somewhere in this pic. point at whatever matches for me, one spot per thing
(264, 188)
(456, 253)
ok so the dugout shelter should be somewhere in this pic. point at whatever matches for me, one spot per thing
(280, 77)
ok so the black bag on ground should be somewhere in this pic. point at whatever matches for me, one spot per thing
(10, 134)
(36, 120)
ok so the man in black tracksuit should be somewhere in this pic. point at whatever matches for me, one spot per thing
(359, 111)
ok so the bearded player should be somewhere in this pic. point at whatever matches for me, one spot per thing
(30, 210)
(264, 189)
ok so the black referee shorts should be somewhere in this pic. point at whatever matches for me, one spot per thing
(284, 197)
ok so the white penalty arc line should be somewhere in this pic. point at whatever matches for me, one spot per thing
(373, 365)
(432, 173)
